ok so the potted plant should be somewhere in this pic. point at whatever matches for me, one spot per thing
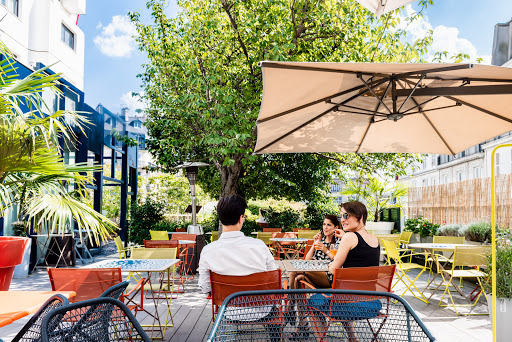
(478, 233)
(503, 284)
(377, 195)
(22, 270)
(422, 227)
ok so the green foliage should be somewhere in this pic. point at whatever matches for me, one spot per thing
(286, 218)
(123, 138)
(33, 175)
(203, 85)
(451, 230)
(315, 213)
(376, 194)
(479, 232)
(504, 262)
(421, 226)
(143, 218)
(18, 228)
(171, 190)
(171, 226)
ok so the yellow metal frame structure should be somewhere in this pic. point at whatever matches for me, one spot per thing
(493, 224)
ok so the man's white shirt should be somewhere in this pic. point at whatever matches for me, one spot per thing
(233, 254)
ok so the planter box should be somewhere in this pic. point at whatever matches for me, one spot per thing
(12, 249)
(22, 270)
(503, 318)
(427, 239)
(380, 227)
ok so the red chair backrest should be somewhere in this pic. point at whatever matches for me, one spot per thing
(375, 278)
(88, 283)
(161, 244)
(181, 230)
(224, 285)
(271, 230)
(180, 236)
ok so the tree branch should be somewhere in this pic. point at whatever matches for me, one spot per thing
(227, 8)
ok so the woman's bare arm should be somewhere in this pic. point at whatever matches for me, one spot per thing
(348, 241)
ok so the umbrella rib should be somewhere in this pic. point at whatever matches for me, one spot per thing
(432, 109)
(373, 93)
(434, 127)
(308, 68)
(295, 129)
(480, 109)
(351, 112)
(412, 91)
(289, 111)
(372, 120)
(441, 69)
(372, 112)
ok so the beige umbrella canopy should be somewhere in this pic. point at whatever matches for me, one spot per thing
(379, 7)
(381, 107)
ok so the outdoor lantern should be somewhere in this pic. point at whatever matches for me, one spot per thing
(191, 171)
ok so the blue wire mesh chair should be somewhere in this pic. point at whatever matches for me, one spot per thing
(116, 291)
(341, 315)
(31, 331)
(100, 319)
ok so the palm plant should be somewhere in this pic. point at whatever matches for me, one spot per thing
(33, 174)
(377, 194)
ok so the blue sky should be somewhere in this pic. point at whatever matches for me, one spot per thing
(112, 60)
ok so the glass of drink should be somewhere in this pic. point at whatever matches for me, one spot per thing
(333, 252)
(318, 245)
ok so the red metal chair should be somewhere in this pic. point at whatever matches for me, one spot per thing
(187, 253)
(224, 285)
(90, 283)
(377, 278)
(287, 249)
(181, 230)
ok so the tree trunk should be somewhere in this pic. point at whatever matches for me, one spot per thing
(229, 176)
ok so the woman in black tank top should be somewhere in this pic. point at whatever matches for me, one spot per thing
(357, 247)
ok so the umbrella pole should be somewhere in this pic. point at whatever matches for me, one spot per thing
(493, 220)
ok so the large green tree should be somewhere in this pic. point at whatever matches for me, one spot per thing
(204, 87)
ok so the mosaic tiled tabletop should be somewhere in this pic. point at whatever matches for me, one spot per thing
(288, 240)
(137, 265)
(306, 265)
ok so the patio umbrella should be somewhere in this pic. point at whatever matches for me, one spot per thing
(380, 107)
(379, 7)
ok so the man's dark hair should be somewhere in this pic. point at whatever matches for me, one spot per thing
(356, 209)
(230, 209)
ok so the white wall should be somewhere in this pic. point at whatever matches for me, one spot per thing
(35, 36)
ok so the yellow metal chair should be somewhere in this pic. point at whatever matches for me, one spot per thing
(265, 237)
(307, 234)
(215, 236)
(463, 259)
(440, 257)
(403, 267)
(159, 235)
(395, 238)
(120, 247)
(159, 253)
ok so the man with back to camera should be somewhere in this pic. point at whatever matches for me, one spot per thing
(233, 253)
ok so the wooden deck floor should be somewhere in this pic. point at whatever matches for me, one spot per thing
(192, 314)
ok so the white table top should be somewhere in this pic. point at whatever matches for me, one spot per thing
(186, 242)
(438, 246)
(137, 265)
(50, 235)
(289, 239)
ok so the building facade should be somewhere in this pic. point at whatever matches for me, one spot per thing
(474, 162)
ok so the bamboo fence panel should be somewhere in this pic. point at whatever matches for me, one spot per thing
(463, 202)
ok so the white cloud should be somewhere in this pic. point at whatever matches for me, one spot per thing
(444, 38)
(117, 38)
(132, 102)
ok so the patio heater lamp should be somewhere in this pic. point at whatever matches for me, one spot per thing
(191, 171)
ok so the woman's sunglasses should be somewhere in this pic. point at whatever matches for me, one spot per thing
(345, 215)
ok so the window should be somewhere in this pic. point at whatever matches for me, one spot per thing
(68, 37)
(433, 181)
(11, 5)
(425, 182)
(477, 172)
(137, 124)
(459, 176)
(445, 179)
